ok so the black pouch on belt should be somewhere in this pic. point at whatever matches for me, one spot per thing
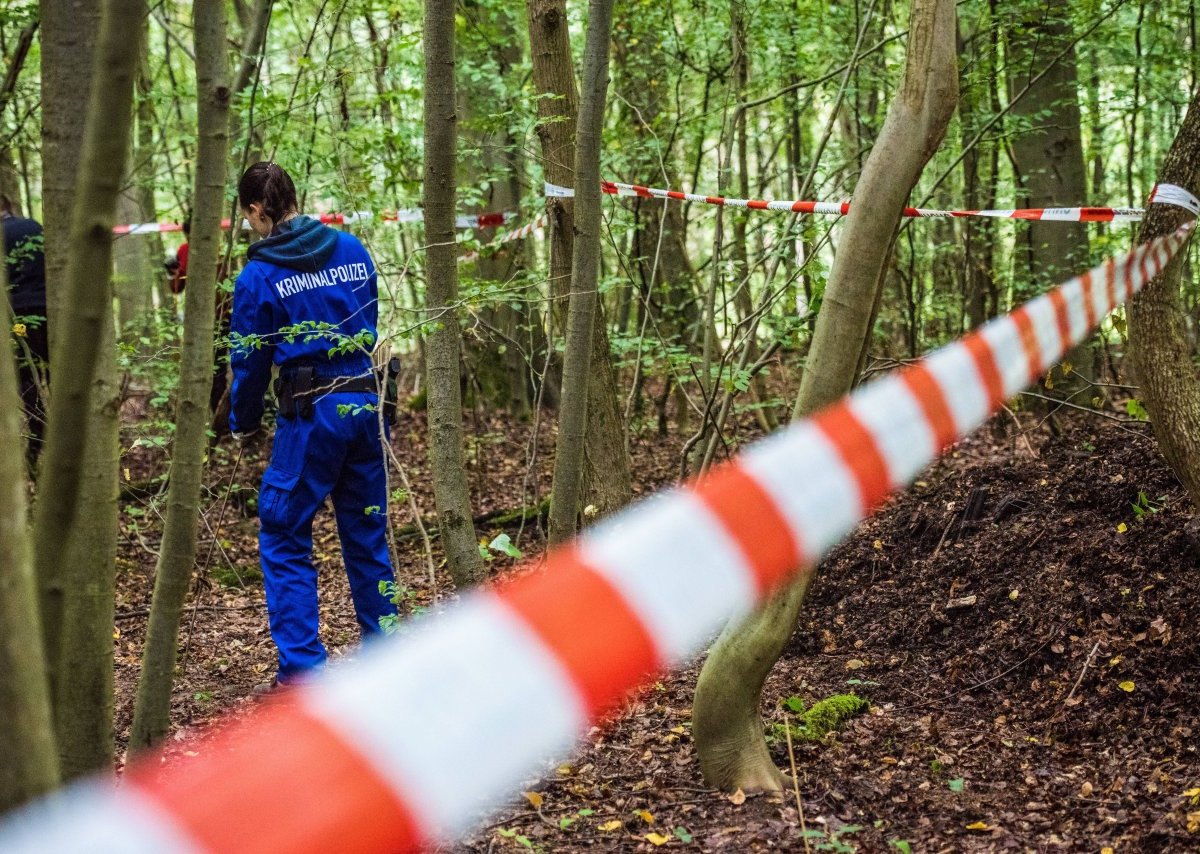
(295, 392)
(304, 383)
(287, 400)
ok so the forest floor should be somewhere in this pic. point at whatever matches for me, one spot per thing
(1023, 622)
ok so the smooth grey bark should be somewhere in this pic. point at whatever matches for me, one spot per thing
(1158, 323)
(82, 175)
(177, 554)
(726, 724)
(443, 346)
(567, 487)
(28, 758)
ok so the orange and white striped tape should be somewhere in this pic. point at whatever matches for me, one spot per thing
(1077, 214)
(483, 220)
(412, 743)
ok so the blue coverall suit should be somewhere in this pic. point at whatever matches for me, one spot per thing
(320, 288)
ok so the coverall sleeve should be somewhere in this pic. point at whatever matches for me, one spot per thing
(251, 352)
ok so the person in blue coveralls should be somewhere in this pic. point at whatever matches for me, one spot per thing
(307, 301)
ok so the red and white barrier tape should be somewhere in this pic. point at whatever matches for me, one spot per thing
(483, 220)
(412, 743)
(1082, 214)
(507, 237)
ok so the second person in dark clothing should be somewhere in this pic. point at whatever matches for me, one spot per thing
(25, 264)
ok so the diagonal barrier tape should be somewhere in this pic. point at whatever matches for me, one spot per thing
(1078, 214)
(412, 743)
(406, 215)
(507, 237)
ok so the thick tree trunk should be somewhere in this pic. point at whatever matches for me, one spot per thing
(585, 272)
(1048, 157)
(79, 464)
(177, 554)
(28, 760)
(498, 364)
(726, 726)
(1161, 352)
(443, 348)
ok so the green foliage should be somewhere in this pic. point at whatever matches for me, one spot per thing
(1136, 411)
(400, 596)
(501, 545)
(1144, 506)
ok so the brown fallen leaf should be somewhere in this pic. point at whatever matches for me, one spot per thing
(737, 798)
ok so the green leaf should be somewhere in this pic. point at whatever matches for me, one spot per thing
(503, 545)
(682, 834)
(956, 785)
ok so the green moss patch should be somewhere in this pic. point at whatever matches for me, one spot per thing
(824, 717)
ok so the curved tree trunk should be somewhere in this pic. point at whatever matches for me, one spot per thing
(28, 761)
(177, 555)
(79, 464)
(1162, 356)
(726, 725)
(443, 348)
(585, 273)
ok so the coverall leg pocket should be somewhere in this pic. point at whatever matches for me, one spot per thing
(275, 504)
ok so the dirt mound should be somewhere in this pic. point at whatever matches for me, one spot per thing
(1025, 629)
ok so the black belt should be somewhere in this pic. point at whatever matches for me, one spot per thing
(339, 384)
(297, 388)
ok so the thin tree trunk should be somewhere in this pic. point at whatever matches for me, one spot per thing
(585, 271)
(177, 555)
(739, 251)
(1158, 324)
(443, 348)
(606, 484)
(143, 169)
(28, 760)
(726, 724)
(79, 464)
(134, 276)
(9, 184)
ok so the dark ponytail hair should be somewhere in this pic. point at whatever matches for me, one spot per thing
(267, 183)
